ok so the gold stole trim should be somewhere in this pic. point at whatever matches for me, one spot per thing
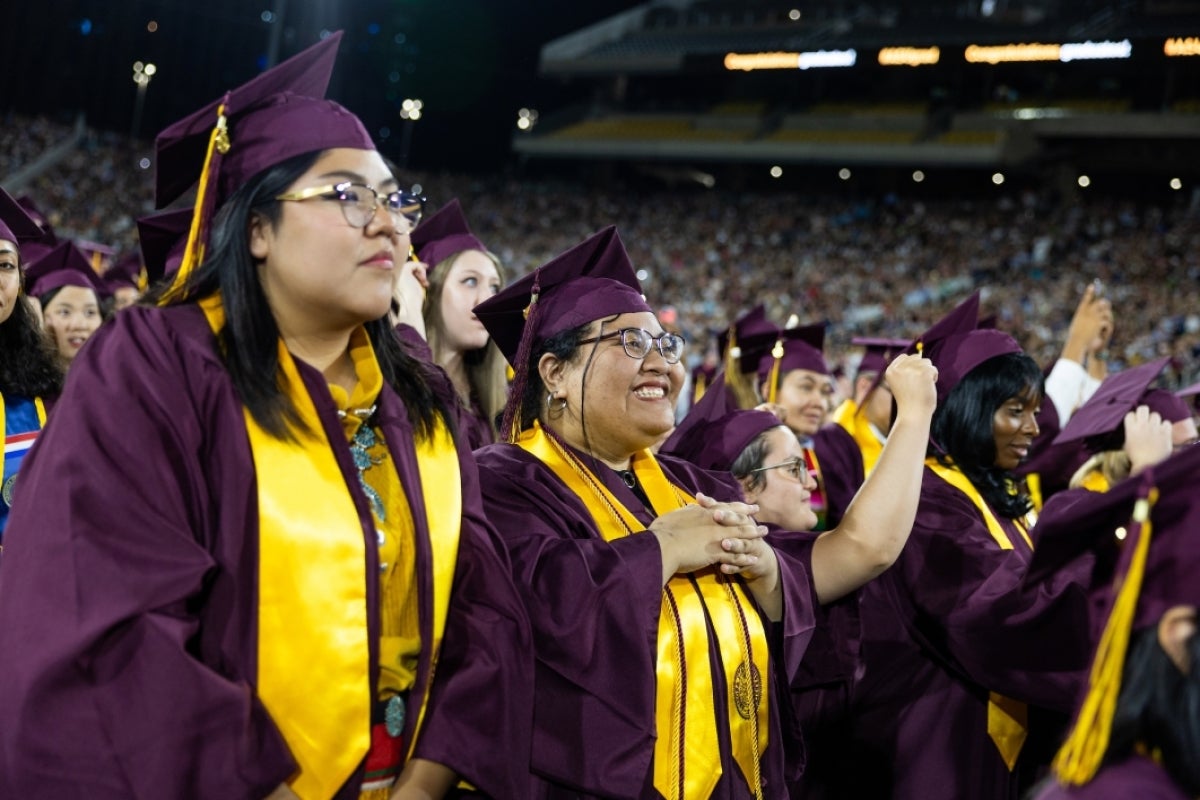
(314, 662)
(1007, 719)
(849, 417)
(1095, 482)
(687, 763)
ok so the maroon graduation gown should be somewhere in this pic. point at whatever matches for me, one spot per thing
(949, 622)
(594, 607)
(475, 428)
(128, 591)
(1134, 778)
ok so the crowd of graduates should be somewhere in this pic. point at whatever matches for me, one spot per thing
(319, 493)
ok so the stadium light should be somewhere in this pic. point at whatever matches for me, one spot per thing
(526, 119)
(1084, 181)
(844, 174)
(411, 109)
(1176, 184)
(918, 176)
(776, 172)
(998, 178)
(142, 73)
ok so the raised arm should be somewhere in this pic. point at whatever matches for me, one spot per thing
(880, 518)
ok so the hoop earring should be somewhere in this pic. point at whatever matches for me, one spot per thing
(550, 403)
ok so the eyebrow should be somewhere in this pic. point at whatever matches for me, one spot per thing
(9, 250)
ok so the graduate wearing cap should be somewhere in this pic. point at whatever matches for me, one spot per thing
(767, 460)
(250, 536)
(793, 375)
(739, 363)
(30, 376)
(125, 280)
(36, 247)
(1136, 732)
(71, 295)
(849, 445)
(462, 273)
(959, 655)
(1126, 427)
(650, 601)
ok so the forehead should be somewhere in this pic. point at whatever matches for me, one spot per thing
(475, 262)
(782, 444)
(353, 163)
(73, 296)
(7, 246)
(635, 319)
(806, 376)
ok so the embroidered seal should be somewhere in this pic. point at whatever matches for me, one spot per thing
(747, 689)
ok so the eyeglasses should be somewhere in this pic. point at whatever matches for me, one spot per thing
(359, 202)
(637, 343)
(793, 466)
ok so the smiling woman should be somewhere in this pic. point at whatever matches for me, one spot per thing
(70, 295)
(278, 534)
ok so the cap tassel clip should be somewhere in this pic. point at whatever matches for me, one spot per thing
(773, 378)
(193, 254)
(510, 424)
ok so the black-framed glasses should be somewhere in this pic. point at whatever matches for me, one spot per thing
(637, 343)
(359, 202)
(793, 466)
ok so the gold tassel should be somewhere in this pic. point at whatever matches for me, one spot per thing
(773, 378)
(743, 392)
(193, 254)
(1081, 754)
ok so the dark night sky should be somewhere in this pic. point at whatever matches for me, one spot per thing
(472, 62)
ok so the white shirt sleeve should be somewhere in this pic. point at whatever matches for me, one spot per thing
(1069, 386)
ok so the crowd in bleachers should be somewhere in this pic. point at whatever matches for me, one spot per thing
(882, 266)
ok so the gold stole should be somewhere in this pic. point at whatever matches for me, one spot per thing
(314, 663)
(849, 416)
(1008, 719)
(1095, 481)
(687, 763)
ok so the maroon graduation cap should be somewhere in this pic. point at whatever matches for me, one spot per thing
(65, 265)
(16, 225)
(714, 434)
(1100, 422)
(878, 353)
(444, 234)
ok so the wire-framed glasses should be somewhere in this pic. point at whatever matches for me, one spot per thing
(637, 343)
(359, 202)
(793, 466)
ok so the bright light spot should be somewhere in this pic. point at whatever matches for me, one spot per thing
(643, 275)
(151, 69)
(918, 176)
(794, 14)
(523, 123)
(1176, 184)
(267, 16)
(138, 66)
(844, 174)
(1121, 533)
(410, 108)
(1084, 181)
(144, 163)
(777, 172)
(152, 26)
(997, 178)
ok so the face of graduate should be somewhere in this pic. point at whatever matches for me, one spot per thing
(1014, 427)
(471, 279)
(628, 402)
(805, 395)
(124, 297)
(10, 279)
(321, 274)
(783, 499)
(72, 316)
(1184, 433)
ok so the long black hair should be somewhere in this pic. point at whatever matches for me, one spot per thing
(249, 340)
(1159, 709)
(29, 365)
(962, 426)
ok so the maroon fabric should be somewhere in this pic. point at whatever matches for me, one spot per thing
(16, 225)
(124, 272)
(950, 621)
(594, 606)
(752, 322)
(714, 434)
(63, 266)
(878, 353)
(444, 234)
(1104, 413)
(592, 280)
(1135, 778)
(128, 614)
(40, 219)
(842, 470)
(163, 238)
(801, 350)
(271, 118)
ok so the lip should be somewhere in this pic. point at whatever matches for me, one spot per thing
(381, 260)
(1020, 450)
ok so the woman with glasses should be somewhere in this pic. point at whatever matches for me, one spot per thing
(254, 561)
(664, 625)
(461, 274)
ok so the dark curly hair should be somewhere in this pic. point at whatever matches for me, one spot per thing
(29, 366)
